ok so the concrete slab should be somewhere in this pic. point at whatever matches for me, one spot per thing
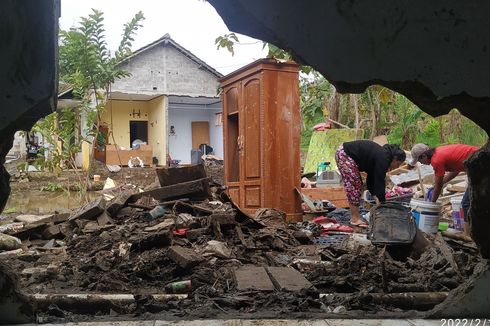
(288, 279)
(31, 219)
(253, 278)
(184, 257)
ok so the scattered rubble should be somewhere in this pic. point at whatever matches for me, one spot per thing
(235, 263)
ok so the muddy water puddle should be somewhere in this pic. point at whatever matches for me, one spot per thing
(42, 202)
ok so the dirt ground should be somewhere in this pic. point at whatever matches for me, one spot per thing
(66, 179)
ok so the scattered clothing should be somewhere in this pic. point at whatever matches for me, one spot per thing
(350, 176)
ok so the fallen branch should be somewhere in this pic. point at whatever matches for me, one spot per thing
(338, 123)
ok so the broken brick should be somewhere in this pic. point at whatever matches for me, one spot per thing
(81, 223)
(154, 240)
(125, 212)
(89, 211)
(223, 219)
(194, 234)
(184, 257)
(60, 218)
(115, 205)
(104, 219)
(66, 229)
(52, 231)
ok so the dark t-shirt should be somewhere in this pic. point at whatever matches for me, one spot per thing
(373, 159)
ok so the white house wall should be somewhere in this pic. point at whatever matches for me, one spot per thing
(215, 134)
(165, 70)
(180, 144)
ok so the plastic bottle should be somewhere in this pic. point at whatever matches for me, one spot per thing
(179, 287)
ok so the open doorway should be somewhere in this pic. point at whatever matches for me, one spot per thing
(138, 130)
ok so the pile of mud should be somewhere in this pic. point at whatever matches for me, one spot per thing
(139, 243)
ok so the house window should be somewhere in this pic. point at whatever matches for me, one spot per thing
(218, 119)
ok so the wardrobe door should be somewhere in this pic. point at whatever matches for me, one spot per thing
(231, 138)
(251, 143)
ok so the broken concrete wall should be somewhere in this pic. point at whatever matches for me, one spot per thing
(29, 82)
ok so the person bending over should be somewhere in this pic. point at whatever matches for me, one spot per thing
(366, 156)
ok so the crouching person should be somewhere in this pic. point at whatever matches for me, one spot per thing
(369, 157)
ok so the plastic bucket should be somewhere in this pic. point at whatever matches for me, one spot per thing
(426, 215)
(458, 213)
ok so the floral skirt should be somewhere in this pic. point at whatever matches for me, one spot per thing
(350, 176)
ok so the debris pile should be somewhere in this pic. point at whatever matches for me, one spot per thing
(214, 168)
(185, 249)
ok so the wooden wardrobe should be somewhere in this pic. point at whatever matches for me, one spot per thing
(261, 125)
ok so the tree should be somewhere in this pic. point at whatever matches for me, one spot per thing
(379, 110)
(88, 66)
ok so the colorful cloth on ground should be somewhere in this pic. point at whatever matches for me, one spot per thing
(350, 176)
(450, 158)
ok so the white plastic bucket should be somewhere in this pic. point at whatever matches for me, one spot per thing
(458, 213)
(426, 215)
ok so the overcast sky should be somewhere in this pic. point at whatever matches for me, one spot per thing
(194, 24)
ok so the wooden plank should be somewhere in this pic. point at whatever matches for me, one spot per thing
(121, 157)
(171, 176)
(336, 195)
(195, 188)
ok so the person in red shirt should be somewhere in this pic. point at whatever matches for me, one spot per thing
(447, 158)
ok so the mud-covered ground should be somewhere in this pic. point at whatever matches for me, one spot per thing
(131, 253)
(124, 258)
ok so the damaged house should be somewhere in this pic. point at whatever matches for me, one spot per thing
(169, 102)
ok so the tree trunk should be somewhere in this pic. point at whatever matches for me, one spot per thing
(334, 106)
(442, 139)
(354, 98)
(374, 103)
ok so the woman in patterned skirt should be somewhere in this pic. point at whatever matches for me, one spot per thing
(366, 156)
